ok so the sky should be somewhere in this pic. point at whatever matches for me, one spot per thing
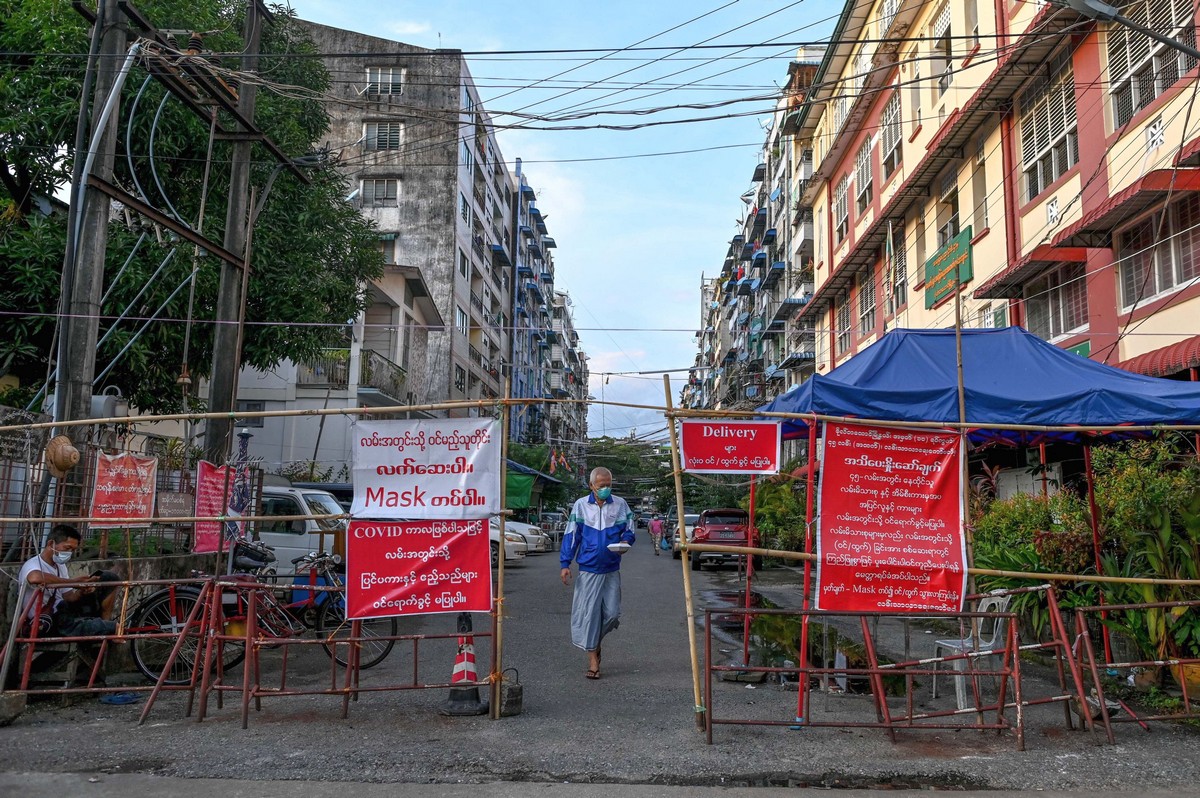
(637, 230)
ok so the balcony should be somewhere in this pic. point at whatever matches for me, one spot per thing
(774, 273)
(378, 375)
(769, 237)
(331, 369)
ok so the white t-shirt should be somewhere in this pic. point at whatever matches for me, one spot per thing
(51, 597)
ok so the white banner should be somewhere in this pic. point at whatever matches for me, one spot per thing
(426, 469)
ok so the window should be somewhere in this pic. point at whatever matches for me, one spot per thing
(1049, 140)
(384, 81)
(460, 379)
(991, 316)
(244, 406)
(388, 247)
(891, 146)
(866, 304)
(919, 243)
(464, 264)
(281, 506)
(971, 15)
(464, 208)
(406, 345)
(947, 209)
(914, 90)
(887, 13)
(841, 208)
(979, 192)
(863, 180)
(896, 274)
(1153, 260)
(1057, 304)
(462, 322)
(843, 331)
(468, 157)
(384, 135)
(942, 53)
(1141, 69)
(380, 192)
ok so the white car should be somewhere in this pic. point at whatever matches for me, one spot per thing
(689, 524)
(515, 547)
(537, 541)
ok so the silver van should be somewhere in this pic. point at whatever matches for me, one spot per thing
(295, 538)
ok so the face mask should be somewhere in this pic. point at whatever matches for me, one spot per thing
(603, 494)
(62, 557)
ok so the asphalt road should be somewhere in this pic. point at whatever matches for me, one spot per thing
(633, 729)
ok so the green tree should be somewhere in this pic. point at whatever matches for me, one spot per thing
(313, 253)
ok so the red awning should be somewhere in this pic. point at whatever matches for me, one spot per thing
(1008, 283)
(1096, 227)
(1168, 360)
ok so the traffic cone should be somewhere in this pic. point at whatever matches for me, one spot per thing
(464, 700)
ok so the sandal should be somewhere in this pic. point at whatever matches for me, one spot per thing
(593, 674)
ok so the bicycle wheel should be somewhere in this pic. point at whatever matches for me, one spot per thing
(332, 626)
(167, 611)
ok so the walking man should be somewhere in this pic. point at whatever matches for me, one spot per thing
(656, 532)
(599, 524)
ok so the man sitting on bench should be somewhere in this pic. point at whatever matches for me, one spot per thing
(70, 606)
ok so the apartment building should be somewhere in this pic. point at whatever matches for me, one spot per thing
(1037, 165)
(750, 348)
(420, 150)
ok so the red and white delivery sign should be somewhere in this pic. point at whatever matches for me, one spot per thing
(730, 447)
(428, 468)
(214, 486)
(889, 530)
(124, 489)
(417, 567)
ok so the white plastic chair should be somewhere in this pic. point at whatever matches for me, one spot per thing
(990, 630)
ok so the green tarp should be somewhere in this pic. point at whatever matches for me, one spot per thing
(519, 487)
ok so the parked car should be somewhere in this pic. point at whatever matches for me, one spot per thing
(689, 523)
(553, 523)
(515, 547)
(297, 537)
(726, 526)
(536, 541)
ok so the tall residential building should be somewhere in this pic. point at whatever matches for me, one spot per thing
(421, 152)
(1040, 166)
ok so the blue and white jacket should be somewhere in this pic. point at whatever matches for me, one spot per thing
(591, 528)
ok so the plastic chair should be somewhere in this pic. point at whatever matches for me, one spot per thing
(990, 630)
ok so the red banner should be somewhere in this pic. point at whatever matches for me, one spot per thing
(890, 522)
(730, 447)
(124, 489)
(214, 486)
(417, 568)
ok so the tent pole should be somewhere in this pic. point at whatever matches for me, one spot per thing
(698, 705)
(962, 420)
(802, 688)
(1095, 519)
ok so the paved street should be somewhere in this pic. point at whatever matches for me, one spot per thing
(633, 727)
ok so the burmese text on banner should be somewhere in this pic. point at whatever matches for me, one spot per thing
(417, 567)
(889, 528)
(214, 486)
(124, 489)
(729, 447)
(441, 468)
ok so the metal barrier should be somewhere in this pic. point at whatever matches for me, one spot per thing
(1007, 674)
(1087, 655)
(260, 630)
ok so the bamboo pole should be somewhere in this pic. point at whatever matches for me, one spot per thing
(676, 468)
(498, 637)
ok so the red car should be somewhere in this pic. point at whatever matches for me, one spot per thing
(727, 526)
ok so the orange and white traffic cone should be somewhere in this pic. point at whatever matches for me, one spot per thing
(464, 700)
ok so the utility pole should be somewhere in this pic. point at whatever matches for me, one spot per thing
(83, 266)
(227, 357)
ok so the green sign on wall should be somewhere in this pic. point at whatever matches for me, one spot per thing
(1083, 350)
(940, 269)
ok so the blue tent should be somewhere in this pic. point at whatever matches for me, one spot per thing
(1010, 376)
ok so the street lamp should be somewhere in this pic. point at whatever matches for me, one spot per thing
(1097, 10)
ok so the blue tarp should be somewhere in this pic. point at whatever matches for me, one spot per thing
(1010, 376)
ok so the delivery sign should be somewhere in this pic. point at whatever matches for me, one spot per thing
(124, 489)
(730, 447)
(428, 468)
(889, 531)
(417, 567)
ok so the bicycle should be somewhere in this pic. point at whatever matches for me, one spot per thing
(164, 614)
